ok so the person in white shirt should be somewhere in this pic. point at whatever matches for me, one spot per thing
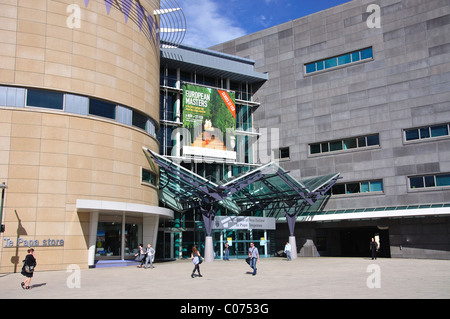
(150, 256)
(287, 250)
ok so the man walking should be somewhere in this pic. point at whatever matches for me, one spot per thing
(150, 256)
(253, 254)
(287, 250)
(373, 248)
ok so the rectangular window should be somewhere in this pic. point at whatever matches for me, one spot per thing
(440, 130)
(443, 180)
(416, 182)
(357, 187)
(46, 99)
(314, 148)
(427, 132)
(345, 144)
(148, 177)
(412, 134)
(366, 54)
(11, 96)
(376, 186)
(350, 143)
(373, 140)
(77, 104)
(429, 181)
(335, 146)
(344, 59)
(330, 63)
(102, 108)
(139, 120)
(284, 153)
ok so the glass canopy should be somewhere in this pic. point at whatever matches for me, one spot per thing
(268, 190)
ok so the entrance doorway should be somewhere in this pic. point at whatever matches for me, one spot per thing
(355, 242)
(239, 242)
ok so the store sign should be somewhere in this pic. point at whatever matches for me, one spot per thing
(210, 117)
(244, 222)
(8, 242)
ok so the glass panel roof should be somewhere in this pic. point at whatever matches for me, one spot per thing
(269, 188)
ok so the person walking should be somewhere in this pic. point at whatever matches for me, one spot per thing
(197, 260)
(253, 254)
(373, 248)
(287, 250)
(150, 256)
(140, 256)
(28, 268)
(227, 251)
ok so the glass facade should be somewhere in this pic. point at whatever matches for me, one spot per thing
(113, 236)
(176, 237)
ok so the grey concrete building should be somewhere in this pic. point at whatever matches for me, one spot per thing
(363, 89)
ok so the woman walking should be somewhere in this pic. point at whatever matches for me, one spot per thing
(28, 268)
(197, 260)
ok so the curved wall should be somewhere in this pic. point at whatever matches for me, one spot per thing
(50, 158)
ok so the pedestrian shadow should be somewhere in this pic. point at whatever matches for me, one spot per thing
(38, 285)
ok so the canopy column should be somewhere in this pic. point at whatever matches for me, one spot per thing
(208, 219)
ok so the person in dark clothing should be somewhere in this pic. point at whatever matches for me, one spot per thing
(373, 248)
(196, 259)
(28, 268)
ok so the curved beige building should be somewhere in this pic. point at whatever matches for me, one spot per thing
(79, 98)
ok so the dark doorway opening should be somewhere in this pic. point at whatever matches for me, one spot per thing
(355, 242)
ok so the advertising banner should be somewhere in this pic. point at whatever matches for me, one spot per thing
(210, 116)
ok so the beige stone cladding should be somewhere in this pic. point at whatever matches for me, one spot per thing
(105, 57)
(51, 158)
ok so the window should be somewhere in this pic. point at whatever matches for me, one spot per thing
(148, 177)
(345, 59)
(427, 132)
(345, 144)
(283, 153)
(357, 187)
(102, 108)
(46, 99)
(11, 96)
(75, 104)
(429, 181)
(139, 120)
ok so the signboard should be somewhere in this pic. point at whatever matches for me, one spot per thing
(9, 242)
(244, 222)
(210, 116)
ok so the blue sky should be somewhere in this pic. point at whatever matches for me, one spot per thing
(211, 22)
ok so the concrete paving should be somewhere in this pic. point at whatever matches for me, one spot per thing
(322, 277)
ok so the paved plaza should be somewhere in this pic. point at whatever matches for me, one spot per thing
(321, 277)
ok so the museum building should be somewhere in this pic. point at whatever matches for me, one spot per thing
(113, 133)
(362, 89)
(79, 97)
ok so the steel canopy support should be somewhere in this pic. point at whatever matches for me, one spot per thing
(208, 219)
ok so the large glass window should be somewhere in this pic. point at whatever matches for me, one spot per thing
(102, 108)
(108, 239)
(46, 99)
(139, 120)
